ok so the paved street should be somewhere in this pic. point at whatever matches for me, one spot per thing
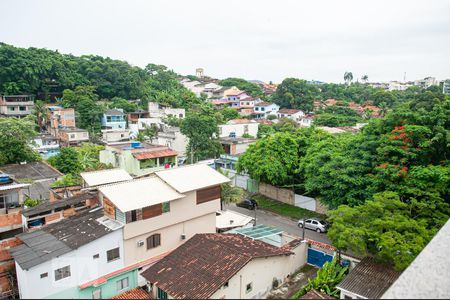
(286, 224)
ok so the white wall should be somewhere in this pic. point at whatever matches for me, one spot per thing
(83, 268)
(261, 272)
(174, 140)
(239, 129)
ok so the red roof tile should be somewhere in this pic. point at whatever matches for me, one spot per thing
(154, 154)
(264, 104)
(136, 293)
(313, 294)
(200, 266)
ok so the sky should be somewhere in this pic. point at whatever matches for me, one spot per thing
(251, 39)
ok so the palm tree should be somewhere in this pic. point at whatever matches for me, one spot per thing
(40, 111)
(348, 77)
(365, 78)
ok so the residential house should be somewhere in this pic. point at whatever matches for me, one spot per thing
(306, 121)
(60, 118)
(94, 179)
(426, 277)
(426, 82)
(246, 105)
(446, 87)
(62, 257)
(239, 128)
(46, 144)
(16, 105)
(38, 174)
(157, 110)
(133, 117)
(115, 135)
(263, 109)
(224, 266)
(227, 220)
(114, 119)
(368, 280)
(72, 136)
(167, 208)
(11, 201)
(236, 145)
(293, 114)
(173, 138)
(48, 212)
(138, 158)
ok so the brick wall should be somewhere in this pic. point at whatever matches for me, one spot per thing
(108, 208)
(273, 192)
(52, 218)
(10, 219)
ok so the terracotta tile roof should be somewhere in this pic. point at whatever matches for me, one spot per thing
(240, 121)
(313, 294)
(264, 104)
(136, 293)
(264, 121)
(154, 154)
(288, 111)
(200, 266)
(369, 279)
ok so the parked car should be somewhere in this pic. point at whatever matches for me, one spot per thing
(248, 204)
(314, 224)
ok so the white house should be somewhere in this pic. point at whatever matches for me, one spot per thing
(159, 111)
(54, 261)
(226, 266)
(293, 114)
(174, 139)
(115, 135)
(264, 109)
(239, 127)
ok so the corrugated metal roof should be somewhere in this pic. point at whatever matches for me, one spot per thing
(101, 177)
(155, 154)
(58, 238)
(369, 279)
(139, 193)
(46, 206)
(192, 177)
(13, 186)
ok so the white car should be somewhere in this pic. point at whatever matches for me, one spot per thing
(314, 224)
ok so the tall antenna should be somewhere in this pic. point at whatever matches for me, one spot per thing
(404, 77)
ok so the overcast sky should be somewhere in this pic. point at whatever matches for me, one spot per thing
(253, 39)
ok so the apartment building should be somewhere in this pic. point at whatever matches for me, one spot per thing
(167, 208)
(16, 105)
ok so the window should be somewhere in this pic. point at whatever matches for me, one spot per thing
(97, 294)
(62, 273)
(314, 222)
(161, 294)
(245, 128)
(153, 241)
(133, 216)
(166, 207)
(208, 194)
(249, 287)
(112, 254)
(22, 108)
(11, 108)
(72, 136)
(44, 275)
(122, 284)
(95, 256)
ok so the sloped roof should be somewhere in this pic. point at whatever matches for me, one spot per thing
(35, 170)
(264, 104)
(101, 177)
(192, 177)
(136, 293)
(200, 266)
(114, 112)
(155, 154)
(139, 193)
(369, 279)
(288, 111)
(58, 238)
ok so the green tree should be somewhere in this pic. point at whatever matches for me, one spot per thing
(328, 277)
(16, 135)
(296, 93)
(67, 161)
(383, 227)
(124, 104)
(229, 193)
(251, 88)
(365, 78)
(200, 127)
(348, 77)
(40, 112)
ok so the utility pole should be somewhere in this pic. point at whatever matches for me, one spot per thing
(255, 208)
(303, 227)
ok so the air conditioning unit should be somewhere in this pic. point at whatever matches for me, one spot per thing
(140, 243)
(183, 236)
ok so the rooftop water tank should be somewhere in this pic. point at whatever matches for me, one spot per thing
(135, 144)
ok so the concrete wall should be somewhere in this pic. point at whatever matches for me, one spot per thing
(282, 195)
(83, 267)
(260, 272)
(239, 129)
(185, 216)
(174, 140)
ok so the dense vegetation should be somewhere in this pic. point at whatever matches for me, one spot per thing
(389, 183)
(251, 88)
